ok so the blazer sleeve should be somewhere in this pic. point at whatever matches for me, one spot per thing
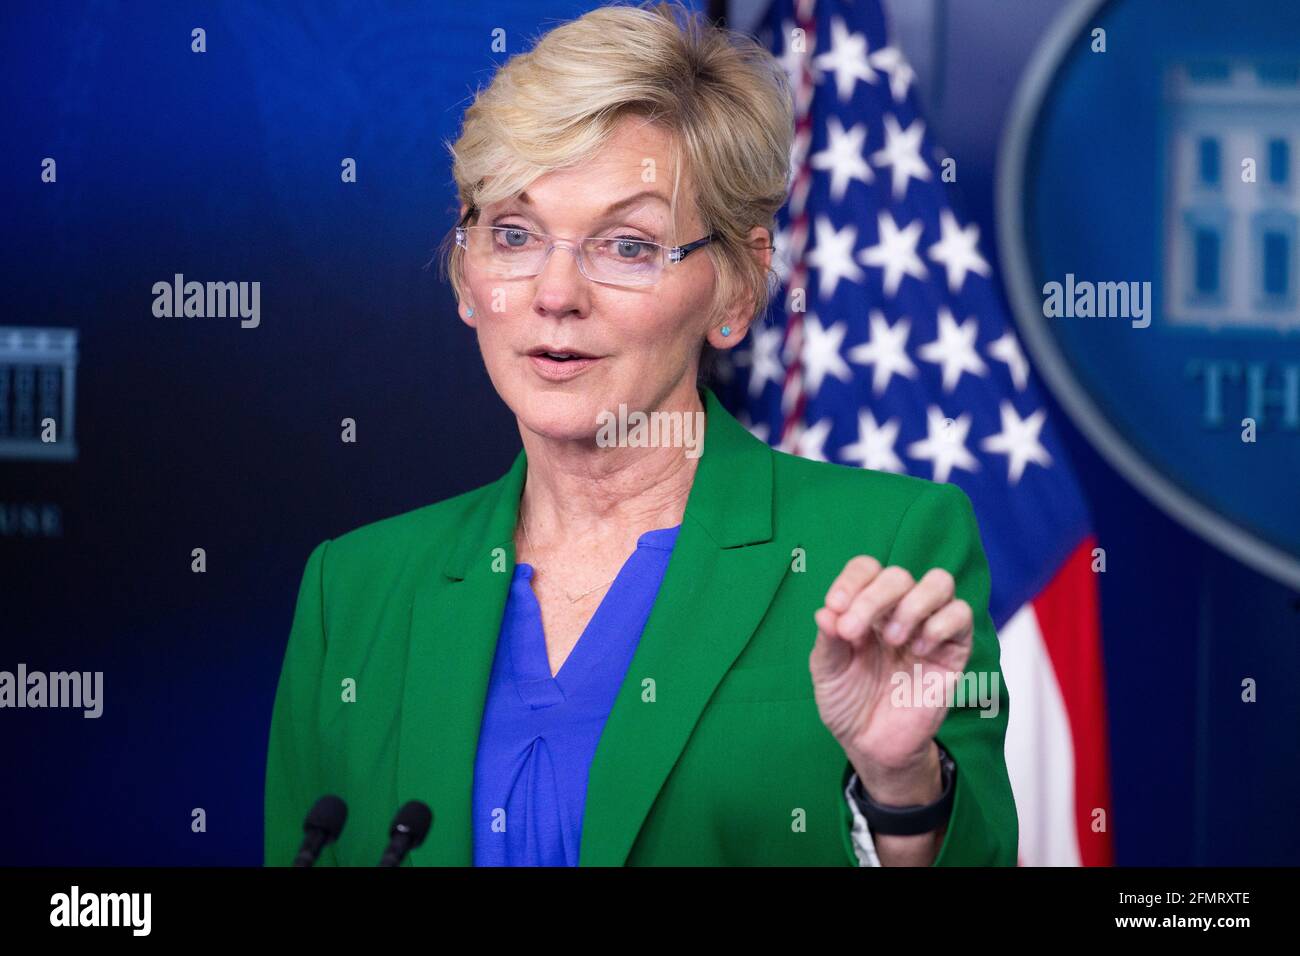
(939, 530)
(293, 774)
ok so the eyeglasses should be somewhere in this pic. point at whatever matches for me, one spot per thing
(509, 252)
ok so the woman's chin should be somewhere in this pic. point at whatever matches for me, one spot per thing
(560, 417)
(562, 430)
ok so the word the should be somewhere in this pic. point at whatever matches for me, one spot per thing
(1260, 392)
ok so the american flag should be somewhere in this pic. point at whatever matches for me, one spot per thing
(889, 347)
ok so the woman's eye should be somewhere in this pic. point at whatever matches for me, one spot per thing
(628, 247)
(512, 237)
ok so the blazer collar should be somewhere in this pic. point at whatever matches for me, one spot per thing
(720, 579)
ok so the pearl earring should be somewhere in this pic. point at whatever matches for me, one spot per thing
(469, 312)
(726, 330)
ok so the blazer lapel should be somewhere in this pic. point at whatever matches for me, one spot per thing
(455, 620)
(724, 570)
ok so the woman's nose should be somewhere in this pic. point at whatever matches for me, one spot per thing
(561, 281)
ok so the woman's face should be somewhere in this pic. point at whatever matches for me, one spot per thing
(645, 340)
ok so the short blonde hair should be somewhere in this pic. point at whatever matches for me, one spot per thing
(724, 100)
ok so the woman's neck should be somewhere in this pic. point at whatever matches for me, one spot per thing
(580, 491)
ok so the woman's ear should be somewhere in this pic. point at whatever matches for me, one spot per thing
(737, 318)
(762, 242)
(735, 323)
(468, 314)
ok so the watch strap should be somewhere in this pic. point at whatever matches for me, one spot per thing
(912, 820)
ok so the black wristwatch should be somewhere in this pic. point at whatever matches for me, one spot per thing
(909, 821)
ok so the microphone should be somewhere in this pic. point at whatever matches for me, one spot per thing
(410, 827)
(323, 825)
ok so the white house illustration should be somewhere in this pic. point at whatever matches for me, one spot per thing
(1230, 243)
(37, 383)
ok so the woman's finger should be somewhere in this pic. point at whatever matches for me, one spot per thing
(858, 572)
(830, 654)
(872, 602)
(954, 622)
(933, 591)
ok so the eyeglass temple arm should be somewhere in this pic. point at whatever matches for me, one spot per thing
(678, 253)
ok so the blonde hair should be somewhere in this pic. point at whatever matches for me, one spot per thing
(723, 99)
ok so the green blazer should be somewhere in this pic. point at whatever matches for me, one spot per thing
(713, 754)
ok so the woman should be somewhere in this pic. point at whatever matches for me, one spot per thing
(630, 652)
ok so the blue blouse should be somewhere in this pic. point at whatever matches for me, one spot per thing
(539, 732)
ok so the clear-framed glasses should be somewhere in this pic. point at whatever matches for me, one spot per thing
(511, 252)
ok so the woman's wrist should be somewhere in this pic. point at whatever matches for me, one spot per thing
(916, 782)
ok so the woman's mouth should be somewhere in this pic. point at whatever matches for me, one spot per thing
(558, 365)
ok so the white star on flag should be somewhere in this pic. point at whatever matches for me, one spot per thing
(843, 157)
(958, 250)
(1018, 440)
(890, 60)
(847, 59)
(894, 251)
(820, 355)
(886, 349)
(808, 441)
(902, 152)
(832, 257)
(954, 349)
(1006, 349)
(875, 445)
(944, 445)
(763, 358)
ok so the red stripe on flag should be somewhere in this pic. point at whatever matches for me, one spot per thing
(1067, 618)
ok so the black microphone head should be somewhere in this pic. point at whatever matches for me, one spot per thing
(328, 815)
(413, 819)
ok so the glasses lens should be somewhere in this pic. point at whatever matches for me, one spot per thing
(504, 251)
(508, 252)
(623, 260)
